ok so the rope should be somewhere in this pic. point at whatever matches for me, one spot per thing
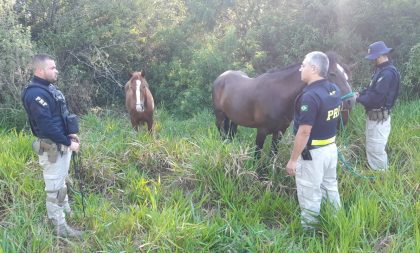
(346, 165)
(350, 169)
(77, 165)
(348, 95)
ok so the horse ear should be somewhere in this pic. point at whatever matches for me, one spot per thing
(142, 73)
(130, 73)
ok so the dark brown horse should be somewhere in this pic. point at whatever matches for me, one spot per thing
(139, 101)
(266, 101)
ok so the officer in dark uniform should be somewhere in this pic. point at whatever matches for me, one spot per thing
(48, 116)
(314, 156)
(378, 99)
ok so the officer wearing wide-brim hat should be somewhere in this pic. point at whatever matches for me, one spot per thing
(378, 98)
(377, 49)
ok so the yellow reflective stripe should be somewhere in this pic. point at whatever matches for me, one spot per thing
(323, 142)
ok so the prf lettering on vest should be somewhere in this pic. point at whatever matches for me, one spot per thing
(332, 114)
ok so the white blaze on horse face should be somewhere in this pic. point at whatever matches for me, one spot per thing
(139, 97)
(342, 71)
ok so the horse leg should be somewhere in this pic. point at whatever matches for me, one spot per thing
(134, 123)
(276, 139)
(259, 142)
(274, 142)
(233, 128)
(150, 125)
(261, 135)
(220, 117)
(226, 127)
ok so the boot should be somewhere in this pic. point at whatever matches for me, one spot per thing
(64, 230)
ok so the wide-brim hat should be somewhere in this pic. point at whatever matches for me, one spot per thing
(377, 49)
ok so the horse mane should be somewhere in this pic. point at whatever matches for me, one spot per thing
(333, 58)
(281, 69)
(284, 71)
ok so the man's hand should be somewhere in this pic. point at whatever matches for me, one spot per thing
(291, 167)
(74, 146)
(357, 94)
(74, 138)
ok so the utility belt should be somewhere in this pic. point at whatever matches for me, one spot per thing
(42, 145)
(379, 115)
(306, 155)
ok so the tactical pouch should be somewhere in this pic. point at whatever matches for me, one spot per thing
(44, 145)
(373, 114)
(385, 114)
(72, 123)
(378, 114)
(52, 155)
(36, 147)
(61, 196)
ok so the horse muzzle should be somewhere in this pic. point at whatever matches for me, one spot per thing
(348, 100)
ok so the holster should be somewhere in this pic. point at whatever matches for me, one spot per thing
(45, 145)
(306, 155)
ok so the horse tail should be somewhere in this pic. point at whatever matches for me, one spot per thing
(217, 88)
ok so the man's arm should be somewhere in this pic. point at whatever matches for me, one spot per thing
(301, 139)
(373, 98)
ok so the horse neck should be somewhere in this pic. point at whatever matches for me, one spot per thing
(300, 85)
(348, 89)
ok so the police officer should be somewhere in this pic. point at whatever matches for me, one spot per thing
(314, 156)
(378, 99)
(46, 109)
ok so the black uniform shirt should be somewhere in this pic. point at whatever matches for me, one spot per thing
(44, 109)
(319, 106)
(383, 89)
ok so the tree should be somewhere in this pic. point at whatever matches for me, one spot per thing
(16, 50)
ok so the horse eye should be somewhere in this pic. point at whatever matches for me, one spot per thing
(332, 74)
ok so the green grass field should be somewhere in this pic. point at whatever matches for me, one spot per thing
(186, 190)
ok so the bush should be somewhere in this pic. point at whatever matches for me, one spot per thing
(411, 79)
(16, 50)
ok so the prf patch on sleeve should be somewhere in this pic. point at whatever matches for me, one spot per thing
(304, 108)
(41, 101)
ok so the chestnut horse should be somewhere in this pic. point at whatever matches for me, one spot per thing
(266, 101)
(139, 101)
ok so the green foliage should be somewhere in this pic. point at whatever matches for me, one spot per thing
(411, 78)
(185, 190)
(95, 43)
(16, 49)
(13, 118)
(184, 45)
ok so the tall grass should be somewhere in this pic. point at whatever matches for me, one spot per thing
(183, 189)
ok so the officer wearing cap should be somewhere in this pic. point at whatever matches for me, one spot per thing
(378, 99)
(314, 156)
(47, 112)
